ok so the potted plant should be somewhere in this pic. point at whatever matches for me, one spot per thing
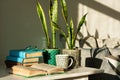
(49, 57)
(71, 35)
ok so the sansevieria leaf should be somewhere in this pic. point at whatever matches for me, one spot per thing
(82, 21)
(62, 32)
(53, 18)
(41, 15)
(54, 11)
(71, 34)
(64, 10)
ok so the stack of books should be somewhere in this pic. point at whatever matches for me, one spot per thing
(24, 57)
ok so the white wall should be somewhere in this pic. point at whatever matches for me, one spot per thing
(103, 17)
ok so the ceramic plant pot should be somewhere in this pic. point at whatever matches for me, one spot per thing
(49, 56)
(75, 54)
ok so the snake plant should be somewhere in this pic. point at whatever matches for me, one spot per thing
(71, 35)
(53, 17)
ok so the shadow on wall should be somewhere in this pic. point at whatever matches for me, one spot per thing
(96, 6)
(101, 8)
(97, 55)
(97, 61)
(102, 50)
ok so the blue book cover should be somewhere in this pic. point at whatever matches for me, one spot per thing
(25, 60)
(23, 53)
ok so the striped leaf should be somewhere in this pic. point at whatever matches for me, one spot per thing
(64, 10)
(53, 18)
(81, 22)
(42, 18)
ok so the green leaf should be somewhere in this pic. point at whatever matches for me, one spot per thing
(55, 11)
(64, 10)
(43, 21)
(53, 18)
(62, 32)
(82, 21)
(72, 32)
(51, 8)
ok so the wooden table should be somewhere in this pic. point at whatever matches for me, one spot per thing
(80, 73)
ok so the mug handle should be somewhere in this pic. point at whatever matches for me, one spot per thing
(71, 62)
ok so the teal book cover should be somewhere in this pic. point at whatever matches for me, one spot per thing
(25, 60)
(23, 53)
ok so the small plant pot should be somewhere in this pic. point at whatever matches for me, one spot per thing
(93, 62)
(75, 54)
(49, 56)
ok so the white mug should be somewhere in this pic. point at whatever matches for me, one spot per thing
(64, 61)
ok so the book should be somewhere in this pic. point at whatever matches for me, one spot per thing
(113, 57)
(36, 69)
(114, 61)
(10, 64)
(24, 60)
(51, 69)
(26, 53)
(27, 71)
